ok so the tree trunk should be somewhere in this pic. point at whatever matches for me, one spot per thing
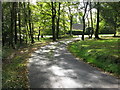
(97, 27)
(32, 33)
(19, 19)
(92, 31)
(115, 31)
(39, 34)
(11, 26)
(64, 21)
(84, 21)
(71, 22)
(3, 33)
(57, 32)
(53, 21)
(25, 20)
(30, 24)
(115, 25)
(83, 28)
(15, 21)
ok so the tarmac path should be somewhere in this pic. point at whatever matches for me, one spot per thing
(53, 66)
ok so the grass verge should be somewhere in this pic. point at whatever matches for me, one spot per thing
(14, 68)
(104, 54)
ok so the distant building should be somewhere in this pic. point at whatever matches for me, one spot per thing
(78, 26)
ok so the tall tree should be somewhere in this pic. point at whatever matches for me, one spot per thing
(97, 26)
(53, 21)
(91, 18)
(58, 20)
(83, 18)
(19, 20)
(12, 25)
(30, 24)
(15, 21)
(70, 17)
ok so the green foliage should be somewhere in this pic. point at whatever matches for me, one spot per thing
(110, 14)
(102, 53)
(105, 28)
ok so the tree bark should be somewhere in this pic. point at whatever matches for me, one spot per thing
(71, 22)
(15, 21)
(19, 19)
(83, 18)
(115, 26)
(92, 31)
(64, 21)
(97, 27)
(30, 24)
(39, 34)
(32, 33)
(57, 32)
(3, 32)
(11, 26)
(53, 21)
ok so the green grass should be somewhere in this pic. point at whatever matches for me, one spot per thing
(14, 68)
(101, 53)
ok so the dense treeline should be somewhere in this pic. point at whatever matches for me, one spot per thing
(24, 22)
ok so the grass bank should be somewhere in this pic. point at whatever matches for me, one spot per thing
(14, 67)
(104, 54)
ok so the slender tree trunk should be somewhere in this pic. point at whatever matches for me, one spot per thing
(83, 18)
(30, 24)
(64, 21)
(11, 26)
(3, 33)
(53, 21)
(88, 21)
(71, 22)
(25, 20)
(115, 26)
(64, 26)
(97, 27)
(19, 19)
(57, 32)
(92, 31)
(32, 37)
(15, 21)
(83, 28)
(115, 31)
(39, 34)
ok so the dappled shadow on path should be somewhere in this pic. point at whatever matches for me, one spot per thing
(53, 66)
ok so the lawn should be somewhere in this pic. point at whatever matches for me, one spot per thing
(103, 54)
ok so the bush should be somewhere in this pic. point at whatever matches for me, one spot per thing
(107, 30)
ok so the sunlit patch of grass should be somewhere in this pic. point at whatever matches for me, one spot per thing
(101, 53)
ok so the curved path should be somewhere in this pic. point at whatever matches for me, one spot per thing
(53, 66)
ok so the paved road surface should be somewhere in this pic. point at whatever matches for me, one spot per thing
(53, 66)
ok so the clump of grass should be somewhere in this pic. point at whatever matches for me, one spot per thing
(102, 53)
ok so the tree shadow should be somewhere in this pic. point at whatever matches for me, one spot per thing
(62, 70)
